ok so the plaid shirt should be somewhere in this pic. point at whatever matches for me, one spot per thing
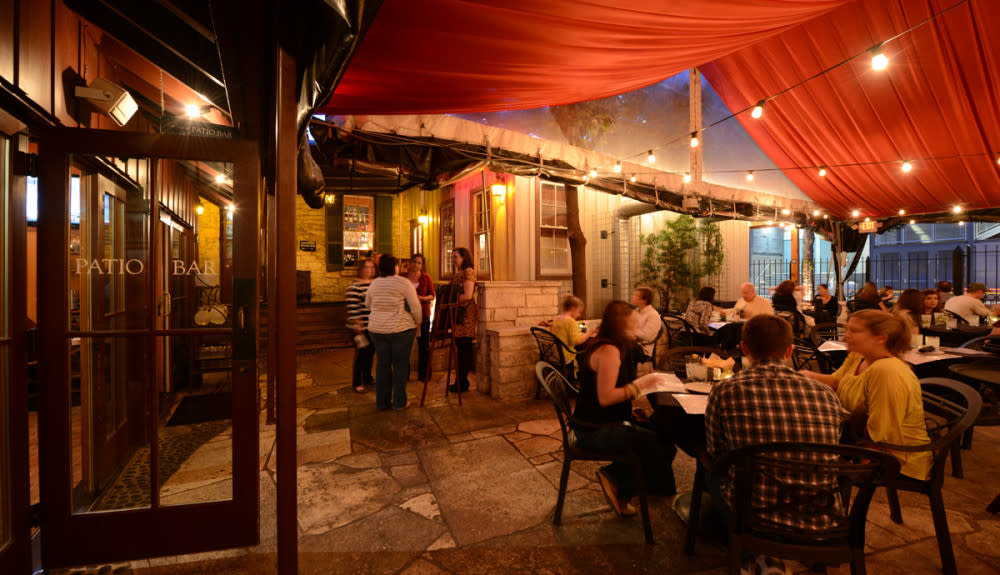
(770, 402)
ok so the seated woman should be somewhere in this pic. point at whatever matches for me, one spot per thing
(867, 298)
(932, 302)
(826, 308)
(566, 326)
(911, 305)
(605, 400)
(699, 311)
(874, 383)
(784, 300)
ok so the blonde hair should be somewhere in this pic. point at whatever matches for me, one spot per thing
(570, 302)
(898, 329)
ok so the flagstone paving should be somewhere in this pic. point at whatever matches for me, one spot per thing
(444, 489)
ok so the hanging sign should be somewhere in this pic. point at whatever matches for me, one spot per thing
(186, 127)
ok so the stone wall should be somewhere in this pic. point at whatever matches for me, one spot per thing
(506, 359)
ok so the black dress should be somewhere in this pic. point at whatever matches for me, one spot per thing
(826, 312)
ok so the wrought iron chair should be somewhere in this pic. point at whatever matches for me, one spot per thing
(952, 315)
(954, 407)
(552, 379)
(828, 331)
(836, 523)
(553, 350)
(794, 318)
(679, 330)
(805, 355)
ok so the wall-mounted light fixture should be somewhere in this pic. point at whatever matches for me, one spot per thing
(111, 99)
(330, 199)
(422, 219)
(199, 209)
(499, 190)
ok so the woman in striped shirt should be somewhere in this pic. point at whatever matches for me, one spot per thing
(395, 315)
(357, 320)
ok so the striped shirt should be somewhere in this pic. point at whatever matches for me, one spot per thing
(770, 402)
(394, 305)
(357, 312)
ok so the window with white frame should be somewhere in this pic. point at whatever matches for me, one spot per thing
(481, 228)
(553, 232)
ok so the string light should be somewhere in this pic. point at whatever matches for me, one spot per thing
(687, 178)
(618, 167)
(650, 158)
(826, 217)
(632, 179)
(957, 209)
(913, 222)
(786, 211)
(907, 166)
(694, 139)
(822, 172)
(815, 212)
(856, 213)
(758, 110)
(879, 59)
(593, 172)
(902, 212)
(750, 176)
(220, 179)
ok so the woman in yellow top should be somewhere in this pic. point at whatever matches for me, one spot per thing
(567, 328)
(873, 381)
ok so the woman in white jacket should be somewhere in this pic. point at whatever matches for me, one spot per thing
(392, 323)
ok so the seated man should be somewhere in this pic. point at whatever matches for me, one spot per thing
(649, 323)
(971, 304)
(750, 304)
(744, 410)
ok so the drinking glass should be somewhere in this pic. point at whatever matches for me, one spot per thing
(925, 320)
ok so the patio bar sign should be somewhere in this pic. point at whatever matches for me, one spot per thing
(135, 267)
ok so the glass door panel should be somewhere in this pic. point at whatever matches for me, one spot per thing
(159, 404)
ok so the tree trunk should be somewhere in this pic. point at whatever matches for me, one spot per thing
(577, 242)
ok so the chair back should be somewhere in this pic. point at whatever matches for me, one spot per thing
(679, 330)
(828, 331)
(558, 388)
(984, 343)
(675, 358)
(552, 350)
(798, 494)
(950, 408)
(961, 320)
(805, 355)
(794, 319)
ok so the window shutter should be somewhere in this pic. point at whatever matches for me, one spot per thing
(335, 235)
(383, 226)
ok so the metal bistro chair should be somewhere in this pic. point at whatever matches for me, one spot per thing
(679, 330)
(675, 358)
(954, 406)
(553, 350)
(828, 331)
(556, 385)
(814, 482)
(952, 315)
(970, 373)
(805, 355)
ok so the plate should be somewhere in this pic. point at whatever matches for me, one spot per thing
(698, 387)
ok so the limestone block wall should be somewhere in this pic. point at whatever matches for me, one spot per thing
(502, 366)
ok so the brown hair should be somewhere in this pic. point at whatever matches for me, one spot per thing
(869, 292)
(570, 302)
(466, 257)
(612, 328)
(767, 337)
(646, 294)
(786, 287)
(706, 293)
(896, 328)
(910, 302)
(931, 292)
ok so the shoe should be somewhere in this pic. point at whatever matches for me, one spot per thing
(454, 388)
(622, 508)
(767, 565)
(360, 389)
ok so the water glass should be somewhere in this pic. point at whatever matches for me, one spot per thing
(925, 320)
(932, 340)
(951, 323)
(940, 319)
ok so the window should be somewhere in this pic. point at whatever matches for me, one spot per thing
(447, 215)
(553, 233)
(481, 222)
(350, 230)
(416, 237)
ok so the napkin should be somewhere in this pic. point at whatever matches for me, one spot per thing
(716, 361)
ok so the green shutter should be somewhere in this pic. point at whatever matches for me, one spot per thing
(335, 235)
(383, 225)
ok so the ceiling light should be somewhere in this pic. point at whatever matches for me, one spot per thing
(856, 213)
(907, 166)
(750, 176)
(957, 209)
(902, 212)
(694, 139)
(618, 167)
(879, 59)
(650, 157)
(822, 172)
(687, 177)
(758, 110)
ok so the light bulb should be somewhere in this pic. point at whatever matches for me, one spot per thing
(330, 198)
(815, 212)
(618, 167)
(961, 222)
(231, 208)
(651, 158)
(907, 166)
(632, 179)
(785, 211)
(998, 160)
(192, 110)
(856, 213)
(902, 212)
(879, 61)
(957, 209)
(750, 176)
(422, 219)
(199, 209)
(868, 219)
(586, 178)
(220, 179)
(770, 222)
(822, 172)
(913, 222)
(694, 139)
(687, 178)
(593, 172)
(758, 111)
(826, 216)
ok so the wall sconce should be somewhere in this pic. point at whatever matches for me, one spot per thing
(499, 190)
(199, 209)
(109, 98)
(330, 199)
(422, 219)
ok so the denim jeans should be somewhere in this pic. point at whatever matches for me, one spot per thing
(657, 458)
(392, 367)
(363, 357)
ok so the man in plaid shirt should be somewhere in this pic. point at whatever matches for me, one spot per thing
(769, 402)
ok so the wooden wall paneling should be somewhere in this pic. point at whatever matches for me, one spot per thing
(66, 72)
(34, 65)
(7, 39)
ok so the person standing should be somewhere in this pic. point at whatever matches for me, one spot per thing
(357, 321)
(466, 322)
(395, 315)
(425, 293)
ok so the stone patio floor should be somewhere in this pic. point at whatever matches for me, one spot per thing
(445, 489)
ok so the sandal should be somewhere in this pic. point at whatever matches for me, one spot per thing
(622, 508)
(360, 389)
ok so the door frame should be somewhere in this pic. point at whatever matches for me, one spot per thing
(70, 539)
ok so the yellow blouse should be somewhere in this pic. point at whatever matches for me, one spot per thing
(889, 393)
(568, 330)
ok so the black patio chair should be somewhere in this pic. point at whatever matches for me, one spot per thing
(970, 373)
(679, 330)
(952, 315)
(794, 318)
(828, 331)
(641, 356)
(556, 385)
(553, 350)
(805, 355)
(815, 520)
(951, 407)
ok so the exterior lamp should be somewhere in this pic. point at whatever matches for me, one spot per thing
(231, 208)
(330, 199)
(199, 209)
(499, 190)
(422, 219)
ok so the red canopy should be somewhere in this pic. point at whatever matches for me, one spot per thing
(937, 104)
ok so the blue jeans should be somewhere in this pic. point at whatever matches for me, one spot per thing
(657, 458)
(392, 367)
(362, 370)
